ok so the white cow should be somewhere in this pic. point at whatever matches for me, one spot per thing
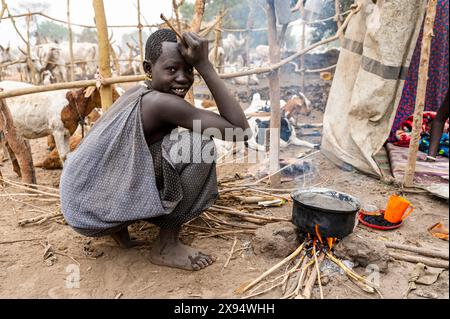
(233, 48)
(38, 115)
(5, 56)
(56, 113)
(85, 56)
(50, 56)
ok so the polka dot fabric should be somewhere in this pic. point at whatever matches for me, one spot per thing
(437, 85)
(111, 179)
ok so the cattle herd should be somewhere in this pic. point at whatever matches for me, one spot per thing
(52, 62)
(58, 114)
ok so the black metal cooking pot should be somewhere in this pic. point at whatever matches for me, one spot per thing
(332, 222)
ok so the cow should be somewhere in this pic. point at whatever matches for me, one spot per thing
(25, 69)
(5, 56)
(50, 56)
(220, 58)
(234, 48)
(85, 57)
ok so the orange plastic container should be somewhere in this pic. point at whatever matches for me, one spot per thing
(397, 209)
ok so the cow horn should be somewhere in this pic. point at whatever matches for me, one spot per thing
(89, 90)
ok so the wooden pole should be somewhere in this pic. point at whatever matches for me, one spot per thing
(141, 47)
(19, 146)
(274, 85)
(337, 17)
(29, 61)
(196, 24)
(137, 78)
(421, 92)
(175, 6)
(103, 46)
(218, 37)
(198, 15)
(69, 27)
(250, 22)
(302, 46)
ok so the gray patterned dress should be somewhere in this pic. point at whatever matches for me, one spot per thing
(114, 178)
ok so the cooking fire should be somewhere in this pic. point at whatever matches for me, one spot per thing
(302, 271)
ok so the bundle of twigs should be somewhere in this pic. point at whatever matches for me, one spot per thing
(238, 210)
(302, 271)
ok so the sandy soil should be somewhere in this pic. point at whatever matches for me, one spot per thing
(107, 271)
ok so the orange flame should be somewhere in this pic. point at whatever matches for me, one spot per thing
(318, 234)
(331, 241)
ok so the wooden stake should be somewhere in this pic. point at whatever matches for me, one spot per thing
(217, 38)
(198, 15)
(69, 27)
(103, 46)
(141, 47)
(29, 62)
(302, 47)
(421, 92)
(274, 85)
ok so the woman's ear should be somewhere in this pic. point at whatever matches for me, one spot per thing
(147, 67)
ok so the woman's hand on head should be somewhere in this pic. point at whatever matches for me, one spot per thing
(194, 49)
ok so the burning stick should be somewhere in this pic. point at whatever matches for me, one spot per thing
(368, 286)
(288, 274)
(318, 271)
(303, 273)
(318, 235)
(312, 278)
(271, 270)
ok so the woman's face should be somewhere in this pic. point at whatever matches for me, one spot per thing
(170, 72)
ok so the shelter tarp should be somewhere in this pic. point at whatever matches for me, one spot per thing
(368, 82)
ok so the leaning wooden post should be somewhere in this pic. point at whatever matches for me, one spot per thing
(274, 84)
(141, 47)
(103, 46)
(421, 92)
(69, 27)
(19, 146)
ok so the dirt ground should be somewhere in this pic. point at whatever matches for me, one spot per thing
(107, 271)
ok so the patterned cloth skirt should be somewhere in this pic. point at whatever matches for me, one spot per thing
(188, 181)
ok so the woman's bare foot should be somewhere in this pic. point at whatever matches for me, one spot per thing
(169, 251)
(122, 238)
